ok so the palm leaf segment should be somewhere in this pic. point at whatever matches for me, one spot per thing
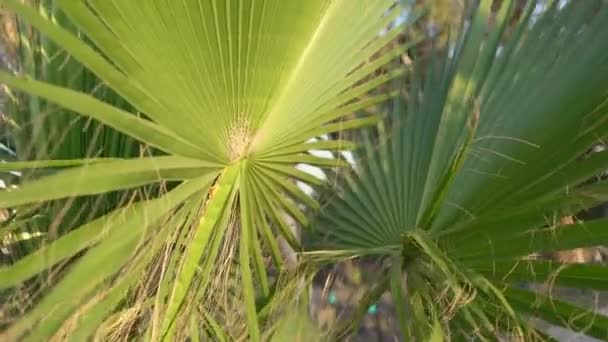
(230, 92)
(480, 165)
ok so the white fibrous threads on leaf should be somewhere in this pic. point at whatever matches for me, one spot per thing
(239, 136)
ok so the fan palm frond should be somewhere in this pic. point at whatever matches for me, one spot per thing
(229, 94)
(481, 159)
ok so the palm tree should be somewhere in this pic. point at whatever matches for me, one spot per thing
(454, 188)
(473, 172)
(226, 96)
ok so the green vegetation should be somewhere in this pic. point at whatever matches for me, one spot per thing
(161, 143)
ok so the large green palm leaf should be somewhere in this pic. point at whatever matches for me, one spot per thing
(483, 158)
(232, 92)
